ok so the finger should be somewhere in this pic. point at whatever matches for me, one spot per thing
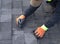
(37, 34)
(35, 31)
(41, 35)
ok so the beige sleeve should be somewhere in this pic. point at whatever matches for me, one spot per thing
(35, 3)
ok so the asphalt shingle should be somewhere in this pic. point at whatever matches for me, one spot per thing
(5, 18)
(6, 4)
(5, 42)
(5, 31)
(18, 37)
(11, 34)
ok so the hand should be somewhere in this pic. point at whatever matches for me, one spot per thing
(39, 32)
(20, 17)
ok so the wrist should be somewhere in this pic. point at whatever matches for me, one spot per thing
(44, 27)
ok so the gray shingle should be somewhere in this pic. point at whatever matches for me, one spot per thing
(6, 4)
(5, 18)
(30, 38)
(5, 42)
(0, 4)
(6, 11)
(18, 37)
(16, 11)
(17, 4)
(5, 31)
(26, 2)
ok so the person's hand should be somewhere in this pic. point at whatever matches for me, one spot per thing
(20, 17)
(39, 32)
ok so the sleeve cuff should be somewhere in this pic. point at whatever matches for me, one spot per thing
(44, 27)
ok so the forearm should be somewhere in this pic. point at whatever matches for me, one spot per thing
(55, 17)
(34, 4)
(53, 20)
